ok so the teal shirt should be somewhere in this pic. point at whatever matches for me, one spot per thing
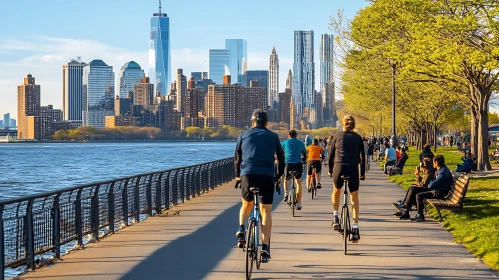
(293, 149)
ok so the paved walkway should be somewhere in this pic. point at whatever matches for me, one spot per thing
(199, 243)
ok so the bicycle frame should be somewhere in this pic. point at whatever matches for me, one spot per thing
(256, 216)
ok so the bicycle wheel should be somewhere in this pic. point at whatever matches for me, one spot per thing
(250, 249)
(346, 229)
(258, 242)
(293, 202)
(314, 183)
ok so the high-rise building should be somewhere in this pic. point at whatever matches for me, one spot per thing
(1, 124)
(143, 93)
(260, 76)
(130, 74)
(181, 87)
(54, 115)
(273, 88)
(13, 123)
(199, 76)
(72, 95)
(159, 52)
(327, 75)
(284, 106)
(123, 106)
(6, 120)
(289, 80)
(219, 65)
(98, 93)
(191, 107)
(303, 72)
(238, 61)
(28, 104)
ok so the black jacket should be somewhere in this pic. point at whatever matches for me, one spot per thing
(347, 147)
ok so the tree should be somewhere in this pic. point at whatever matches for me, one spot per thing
(193, 131)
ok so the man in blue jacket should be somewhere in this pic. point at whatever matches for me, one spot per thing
(254, 166)
(293, 151)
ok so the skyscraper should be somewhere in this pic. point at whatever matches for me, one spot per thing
(98, 93)
(303, 72)
(262, 77)
(130, 74)
(289, 80)
(159, 52)
(181, 87)
(31, 124)
(6, 120)
(273, 88)
(143, 93)
(219, 64)
(238, 58)
(327, 75)
(72, 82)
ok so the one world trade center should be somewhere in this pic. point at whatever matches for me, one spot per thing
(159, 52)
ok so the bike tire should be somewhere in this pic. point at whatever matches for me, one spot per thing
(293, 202)
(346, 230)
(258, 242)
(314, 185)
(250, 249)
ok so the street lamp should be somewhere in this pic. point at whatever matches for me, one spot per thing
(394, 140)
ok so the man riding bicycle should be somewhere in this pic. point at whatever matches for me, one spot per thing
(314, 152)
(293, 151)
(254, 167)
(347, 152)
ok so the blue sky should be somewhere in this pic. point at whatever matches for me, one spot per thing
(37, 37)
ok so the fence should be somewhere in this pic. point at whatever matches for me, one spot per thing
(40, 224)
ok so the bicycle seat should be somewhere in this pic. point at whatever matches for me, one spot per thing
(293, 173)
(345, 177)
(255, 189)
(313, 166)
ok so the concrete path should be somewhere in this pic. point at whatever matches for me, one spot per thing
(200, 244)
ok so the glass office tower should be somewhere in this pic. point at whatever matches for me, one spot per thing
(303, 71)
(219, 65)
(238, 59)
(98, 93)
(327, 75)
(130, 74)
(159, 52)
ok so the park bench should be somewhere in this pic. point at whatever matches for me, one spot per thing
(454, 200)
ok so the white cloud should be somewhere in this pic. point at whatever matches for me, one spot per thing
(43, 57)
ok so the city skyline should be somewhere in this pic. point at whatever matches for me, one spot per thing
(41, 51)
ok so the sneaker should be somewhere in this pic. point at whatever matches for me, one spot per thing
(405, 216)
(336, 223)
(398, 213)
(418, 218)
(319, 186)
(286, 197)
(298, 206)
(265, 251)
(309, 190)
(240, 236)
(355, 235)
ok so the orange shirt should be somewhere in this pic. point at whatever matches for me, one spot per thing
(314, 152)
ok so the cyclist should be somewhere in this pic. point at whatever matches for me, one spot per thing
(347, 152)
(308, 140)
(314, 152)
(254, 167)
(293, 151)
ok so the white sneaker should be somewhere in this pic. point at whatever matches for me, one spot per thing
(298, 206)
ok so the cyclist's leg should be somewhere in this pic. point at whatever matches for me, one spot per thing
(318, 170)
(266, 184)
(245, 211)
(337, 185)
(309, 173)
(246, 207)
(354, 197)
(299, 173)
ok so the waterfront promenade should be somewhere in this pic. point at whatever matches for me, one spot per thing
(199, 243)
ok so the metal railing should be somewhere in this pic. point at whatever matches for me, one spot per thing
(40, 224)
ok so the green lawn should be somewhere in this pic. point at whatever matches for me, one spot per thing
(477, 226)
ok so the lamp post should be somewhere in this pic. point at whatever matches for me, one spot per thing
(394, 140)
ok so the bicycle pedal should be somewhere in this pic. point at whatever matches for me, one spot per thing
(240, 244)
(265, 260)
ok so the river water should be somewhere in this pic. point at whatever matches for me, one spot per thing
(34, 168)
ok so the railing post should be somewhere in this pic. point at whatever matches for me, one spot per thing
(182, 185)
(30, 236)
(167, 191)
(158, 194)
(149, 196)
(79, 233)
(187, 183)
(2, 247)
(174, 188)
(124, 205)
(137, 200)
(56, 225)
(110, 206)
(94, 213)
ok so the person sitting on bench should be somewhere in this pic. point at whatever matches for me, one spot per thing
(438, 188)
(425, 168)
(467, 165)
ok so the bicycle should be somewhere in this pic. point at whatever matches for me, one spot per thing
(345, 225)
(292, 193)
(254, 240)
(313, 181)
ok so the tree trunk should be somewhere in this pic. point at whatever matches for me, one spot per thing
(434, 138)
(474, 131)
(483, 162)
